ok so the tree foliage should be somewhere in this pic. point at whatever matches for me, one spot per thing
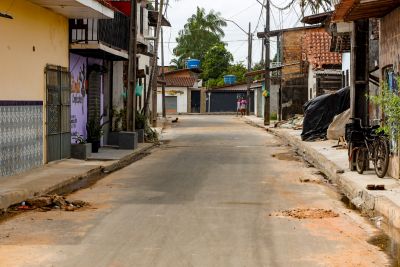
(238, 69)
(389, 102)
(201, 32)
(216, 62)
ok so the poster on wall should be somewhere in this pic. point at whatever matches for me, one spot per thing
(78, 97)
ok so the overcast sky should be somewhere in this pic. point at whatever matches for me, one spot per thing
(242, 12)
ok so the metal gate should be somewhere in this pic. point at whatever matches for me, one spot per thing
(58, 110)
(171, 104)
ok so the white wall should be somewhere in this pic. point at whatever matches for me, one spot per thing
(346, 61)
(182, 98)
(118, 84)
(143, 62)
(312, 83)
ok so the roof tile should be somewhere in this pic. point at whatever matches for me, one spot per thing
(317, 49)
(180, 81)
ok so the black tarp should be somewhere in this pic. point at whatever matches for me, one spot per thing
(320, 112)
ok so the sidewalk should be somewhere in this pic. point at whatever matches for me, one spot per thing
(334, 163)
(65, 176)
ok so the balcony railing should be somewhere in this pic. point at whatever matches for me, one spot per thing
(111, 32)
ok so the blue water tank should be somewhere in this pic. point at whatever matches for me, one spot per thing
(193, 64)
(229, 79)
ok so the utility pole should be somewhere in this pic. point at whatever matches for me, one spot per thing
(164, 114)
(249, 63)
(267, 66)
(278, 53)
(131, 108)
(154, 87)
(249, 60)
(262, 51)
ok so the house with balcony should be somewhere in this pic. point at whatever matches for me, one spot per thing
(99, 66)
(98, 53)
(35, 99)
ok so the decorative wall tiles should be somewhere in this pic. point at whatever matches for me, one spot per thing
(21, 136)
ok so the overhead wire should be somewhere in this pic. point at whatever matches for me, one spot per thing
(259, 18)
(243, 10)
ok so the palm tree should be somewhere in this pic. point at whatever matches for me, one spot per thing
(211, 22)
(315, 5)
(201, 32)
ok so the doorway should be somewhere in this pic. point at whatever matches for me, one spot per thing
(58, 112)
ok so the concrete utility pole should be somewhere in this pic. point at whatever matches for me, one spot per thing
(154, 87)
(278, 44)
(164, 114)
(262, 51)
(359, 84)
(249, 60)
(131, 108)
(267, 66)
(249, 63)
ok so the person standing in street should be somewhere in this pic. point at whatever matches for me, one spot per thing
(243, 105)
(238, 106)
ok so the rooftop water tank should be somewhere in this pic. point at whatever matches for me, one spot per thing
(229, 79)
(193, 64)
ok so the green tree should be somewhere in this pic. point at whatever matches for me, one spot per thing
(216, 62)
(239, 70)
(201, 32)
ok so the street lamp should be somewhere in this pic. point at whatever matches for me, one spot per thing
(249, 59)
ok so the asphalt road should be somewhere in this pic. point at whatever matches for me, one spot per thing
(218, 192)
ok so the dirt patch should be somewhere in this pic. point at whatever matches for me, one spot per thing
(306, 214)
(313, 180)
(49, 202)
(287, 156)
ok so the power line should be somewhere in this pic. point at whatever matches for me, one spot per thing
(243, 10)
(282, 8)
(225, 41)
(259, 18)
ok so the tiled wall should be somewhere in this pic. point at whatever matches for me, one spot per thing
(21, 136)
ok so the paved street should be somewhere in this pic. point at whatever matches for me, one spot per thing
(218, 192)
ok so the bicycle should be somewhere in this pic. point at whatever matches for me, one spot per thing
(368, 145)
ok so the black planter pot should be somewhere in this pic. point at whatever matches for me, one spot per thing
(95, 146)
(140, 135)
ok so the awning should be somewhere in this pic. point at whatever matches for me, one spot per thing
(153, 17)
(277, 32)
(350, 10)
(78, 9)
(98, 50)
(317, 18)
(123, 6)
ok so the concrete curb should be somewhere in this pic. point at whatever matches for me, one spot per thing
(363, 199)
(12, 197)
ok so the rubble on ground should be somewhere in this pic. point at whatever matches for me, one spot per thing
(307, 213)
(295, 123)
(49, 202)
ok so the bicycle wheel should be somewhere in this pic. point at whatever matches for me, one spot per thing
(361, 159)
(381, 157)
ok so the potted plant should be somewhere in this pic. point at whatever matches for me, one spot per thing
(94, 129)
(81, 149)
(140, 125)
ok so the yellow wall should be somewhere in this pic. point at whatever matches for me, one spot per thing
(22, 69)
